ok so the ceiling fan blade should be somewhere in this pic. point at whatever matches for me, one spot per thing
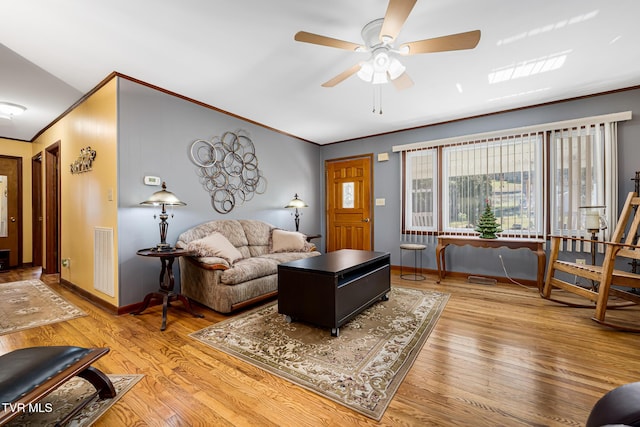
(303, 36)
(342, 76)
(403, 82)
(397, 13)
(459, 41)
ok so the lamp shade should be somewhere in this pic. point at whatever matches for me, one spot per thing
(296, 203)
(163, 197)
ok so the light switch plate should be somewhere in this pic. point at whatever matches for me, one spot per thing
(380, 202)
(383, 157)
(152, 180)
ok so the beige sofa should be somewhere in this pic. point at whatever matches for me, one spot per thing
(235, 262)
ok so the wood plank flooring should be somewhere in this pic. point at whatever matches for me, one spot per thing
(499, 356)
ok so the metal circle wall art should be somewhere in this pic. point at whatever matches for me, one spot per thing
(228, 169)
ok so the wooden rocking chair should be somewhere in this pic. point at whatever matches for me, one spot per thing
(620, 250)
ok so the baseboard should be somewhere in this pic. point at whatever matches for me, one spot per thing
(90, 297)
(464, 275)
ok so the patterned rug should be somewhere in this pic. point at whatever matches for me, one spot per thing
(361, 369)
(30, 303)
(55, 406)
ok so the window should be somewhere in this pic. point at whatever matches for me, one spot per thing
(420, 190)
(577, 176)
(506, 173)
(524, 174)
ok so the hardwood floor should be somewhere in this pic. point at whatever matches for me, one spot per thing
(499, 356)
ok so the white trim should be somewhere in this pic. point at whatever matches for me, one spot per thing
(606, 118)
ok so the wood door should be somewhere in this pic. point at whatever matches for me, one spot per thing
(11, 208)
(349, 203)
(36, 209)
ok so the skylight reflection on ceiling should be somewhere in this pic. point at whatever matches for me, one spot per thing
(528, 68)
(515, 95)
(550, 27)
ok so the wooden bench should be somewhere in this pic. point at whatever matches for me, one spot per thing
(27, 375)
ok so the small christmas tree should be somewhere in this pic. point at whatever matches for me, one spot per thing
(488, 226)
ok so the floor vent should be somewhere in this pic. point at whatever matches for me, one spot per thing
(103, 260)
(481, 280)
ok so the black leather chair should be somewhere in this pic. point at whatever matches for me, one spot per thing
(619, 407)
(29, 374)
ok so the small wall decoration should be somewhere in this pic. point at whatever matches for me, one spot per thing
(84, 161)
(228, 169)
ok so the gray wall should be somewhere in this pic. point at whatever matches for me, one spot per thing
(155, 133)
(521, 263)
(156, 130)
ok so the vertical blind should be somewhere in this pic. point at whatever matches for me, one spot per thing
(536, 179)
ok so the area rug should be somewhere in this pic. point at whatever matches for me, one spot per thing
(361, 368)
(59, 403)
(30, 303)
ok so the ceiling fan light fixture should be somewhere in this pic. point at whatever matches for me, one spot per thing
(380, 61)
(380, 77)
(366, 72)
(395, 68)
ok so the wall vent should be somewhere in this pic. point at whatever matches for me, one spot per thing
(103, 260)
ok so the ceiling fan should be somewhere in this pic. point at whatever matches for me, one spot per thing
(378, 35)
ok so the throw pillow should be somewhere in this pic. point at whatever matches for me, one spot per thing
(287, 241)
(215, 244)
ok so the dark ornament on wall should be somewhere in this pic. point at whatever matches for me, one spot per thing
(228, 169)
(84, 161)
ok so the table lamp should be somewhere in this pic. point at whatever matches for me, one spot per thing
(593, 223)
(163, 198)
(296, 204)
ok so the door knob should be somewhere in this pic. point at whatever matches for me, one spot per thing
(365, 220)
(13, 219)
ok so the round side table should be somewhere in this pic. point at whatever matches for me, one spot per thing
(167, 282)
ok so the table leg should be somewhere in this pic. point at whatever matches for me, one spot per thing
(542, 261)
(442, 268)
(165, 306)
(187, 305)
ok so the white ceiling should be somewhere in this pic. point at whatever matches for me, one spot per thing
(241, 57)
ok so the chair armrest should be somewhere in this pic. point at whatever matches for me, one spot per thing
(214, 264)
(619, 245)
(578, 239)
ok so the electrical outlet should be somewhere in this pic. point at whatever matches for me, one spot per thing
(66, 262)
(581, 261)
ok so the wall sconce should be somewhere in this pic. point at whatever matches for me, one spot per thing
(163, 198)
(296, 204)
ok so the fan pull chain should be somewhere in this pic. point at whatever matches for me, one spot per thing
(377, 100)
(373, 100)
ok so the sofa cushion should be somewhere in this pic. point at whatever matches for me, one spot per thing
(287, 241)
(248, 269)
(258, 235)
(215, 245)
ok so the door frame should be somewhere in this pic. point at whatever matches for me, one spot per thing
(369, 157)
(36, 210)
(19, 192)
(52, 196)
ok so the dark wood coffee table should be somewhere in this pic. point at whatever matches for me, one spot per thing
(331, 289)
